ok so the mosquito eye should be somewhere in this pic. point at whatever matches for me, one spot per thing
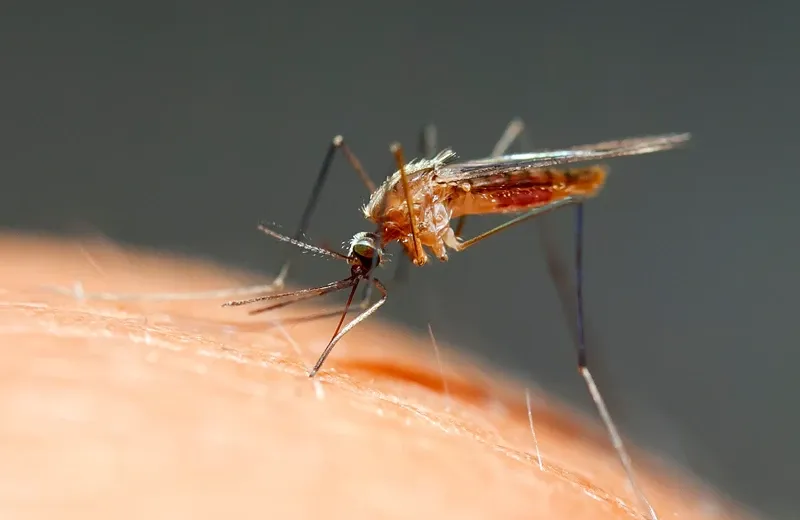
(365, 247)
(365, 250)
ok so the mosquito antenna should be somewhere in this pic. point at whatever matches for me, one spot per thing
(397, 150)
(583, 369)
(303, 245)
(302, 294)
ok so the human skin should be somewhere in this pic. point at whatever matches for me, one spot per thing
(184, 409)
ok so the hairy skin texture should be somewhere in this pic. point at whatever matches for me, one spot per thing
(186, 410)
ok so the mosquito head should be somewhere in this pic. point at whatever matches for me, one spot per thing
(365, 250)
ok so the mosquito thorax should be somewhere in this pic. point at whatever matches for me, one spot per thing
(365, 249)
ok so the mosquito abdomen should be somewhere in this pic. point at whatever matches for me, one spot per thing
(525, 189)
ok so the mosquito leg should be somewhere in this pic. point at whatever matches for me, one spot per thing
(572, 305)
(291, 320)
(397, 151)
(514, 131)
(303, 293)
(428, 141)
(428, 147)
(616, 440)
(535, 212)
(583, 368)
(336, 144)
(338, 334)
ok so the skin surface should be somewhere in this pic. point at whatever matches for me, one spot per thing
(184, 409)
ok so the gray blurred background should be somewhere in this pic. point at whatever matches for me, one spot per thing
(181, 126)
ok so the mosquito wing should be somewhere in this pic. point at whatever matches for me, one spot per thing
(510, 164)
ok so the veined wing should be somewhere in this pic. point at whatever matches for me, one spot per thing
(510, 164)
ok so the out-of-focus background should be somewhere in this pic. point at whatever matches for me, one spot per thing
(182, 125)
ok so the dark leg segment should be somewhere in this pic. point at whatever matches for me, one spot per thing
(583, 369)
(579, 285)
(305, 219)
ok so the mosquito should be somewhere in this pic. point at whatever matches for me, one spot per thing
(415, 205)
